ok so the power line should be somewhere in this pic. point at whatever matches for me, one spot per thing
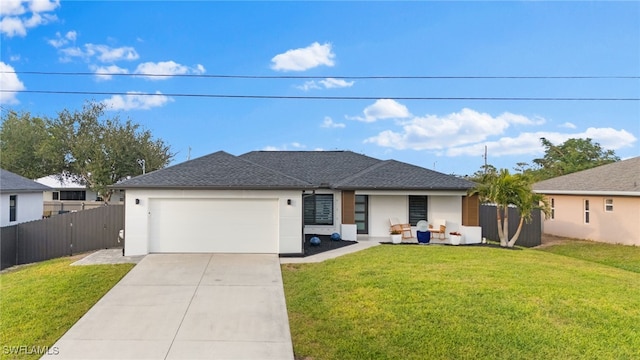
(231, 96)
(369, 77)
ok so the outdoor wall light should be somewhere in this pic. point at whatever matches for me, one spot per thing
(137, 201)
(288, 201)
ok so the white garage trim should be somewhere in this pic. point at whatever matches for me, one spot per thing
(213, 225)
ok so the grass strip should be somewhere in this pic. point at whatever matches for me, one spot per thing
(40, 302)
(445, 302)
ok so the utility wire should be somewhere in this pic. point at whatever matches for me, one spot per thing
(231, 96)
(375, 77)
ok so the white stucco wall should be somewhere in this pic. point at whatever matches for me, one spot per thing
(137, 215)
(383, 205)
(29, 207)
(447, 208)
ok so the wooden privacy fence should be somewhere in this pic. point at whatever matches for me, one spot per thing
(530, 236)
(62, 235)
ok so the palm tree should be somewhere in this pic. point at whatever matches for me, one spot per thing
(504, 189)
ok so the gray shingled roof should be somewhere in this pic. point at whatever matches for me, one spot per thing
(396, 175)
(218, 170)
(10, 182)
(618, 177)
(296, 170)
(315, 167)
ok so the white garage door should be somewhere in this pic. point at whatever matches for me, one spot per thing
(213, 225)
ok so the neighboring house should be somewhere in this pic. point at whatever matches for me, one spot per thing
(69, 195)
(264, 201)
(20, 199)
(600, 204)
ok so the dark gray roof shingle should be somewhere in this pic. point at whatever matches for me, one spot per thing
(620, 176)
(10, 182)
(396, 175)
(218, 170)
(315, 167)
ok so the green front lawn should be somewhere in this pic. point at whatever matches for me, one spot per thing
(620, 256)
(40, 302)
(445, 302)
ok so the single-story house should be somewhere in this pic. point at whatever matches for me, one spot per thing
(265, 201)
(67, 194)
(20, 199)
(600, 204)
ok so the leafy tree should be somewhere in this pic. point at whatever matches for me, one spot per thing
(480, 175)
(504, 189)
(571, 156)
(101, 151)
(27, 147)
(83, 145)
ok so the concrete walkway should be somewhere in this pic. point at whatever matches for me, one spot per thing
(187, 306)
(331, 254)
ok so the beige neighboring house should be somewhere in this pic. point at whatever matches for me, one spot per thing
(600, 204)
(69, 195)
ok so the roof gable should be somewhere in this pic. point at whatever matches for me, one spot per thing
(217, 170)
(618, 177)
(396, 175)
(10, 182)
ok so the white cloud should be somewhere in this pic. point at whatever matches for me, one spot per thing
(105, 53)
(433, 132)
(12, 7)
(10, 84)
(136, 101)
(105, 72)
(568, 125)
(15, 19)
(329, 123)
(12, 26)
(528, 143)
(383, 109)
(328, 83)
(167, 68)
(331, 83)
(302, 59)
(38, 6)
(14, 58)
(102, 53)
(61, 41)
(284, 147)
(308, 85)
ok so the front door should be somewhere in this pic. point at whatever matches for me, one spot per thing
(362, 214)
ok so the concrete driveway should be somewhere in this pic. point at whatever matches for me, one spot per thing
(187, 306)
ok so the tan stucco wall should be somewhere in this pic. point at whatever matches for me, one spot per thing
(620, 226)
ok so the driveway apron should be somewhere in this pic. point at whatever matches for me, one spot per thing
(187, 306)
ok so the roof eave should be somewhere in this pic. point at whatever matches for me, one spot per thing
(214, 187)
(588, 192)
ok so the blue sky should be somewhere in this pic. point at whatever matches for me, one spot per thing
(328, 42)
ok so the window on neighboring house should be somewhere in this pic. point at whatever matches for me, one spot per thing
(13, 207)
(608, 205)
(553, 208)
(56, 195)
(417, 209)
(73, 195)
(318, 209)
(586, 211)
